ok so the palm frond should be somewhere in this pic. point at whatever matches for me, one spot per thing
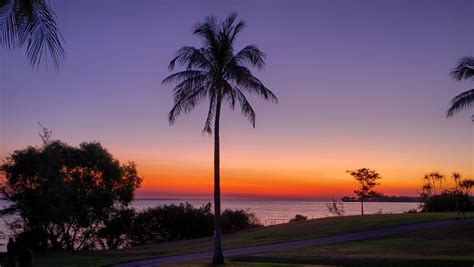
(460, 102)
(244, 78)
(32, 24)
(188, 86)
(191, 57)
(228, 29)
(182, 76)
(186, 103)
(207, 31)
(246, 108)
(250, 55)
(464, 69)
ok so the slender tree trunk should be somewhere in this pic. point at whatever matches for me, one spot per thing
(218, 256)
(362, 205)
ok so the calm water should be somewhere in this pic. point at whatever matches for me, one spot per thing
(267, 211)
(273, 211)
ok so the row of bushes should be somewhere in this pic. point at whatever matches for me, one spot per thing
(448, 201)
(171, 222)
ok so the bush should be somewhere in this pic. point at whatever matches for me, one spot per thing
(298, 218)
(237, 220)
(447, 202)
(336, 208)
(184, 221)
(172, 222)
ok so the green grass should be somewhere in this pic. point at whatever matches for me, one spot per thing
(446, 246)
(272, 234)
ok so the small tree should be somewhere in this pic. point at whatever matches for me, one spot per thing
(435, 177)
(367, 179)
(336, 208)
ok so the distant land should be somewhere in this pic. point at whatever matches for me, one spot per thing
(384, 199)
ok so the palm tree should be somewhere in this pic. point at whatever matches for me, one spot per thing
(464, 70)
(215, 72)
(31, 23)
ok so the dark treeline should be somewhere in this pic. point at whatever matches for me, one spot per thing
(384, 199)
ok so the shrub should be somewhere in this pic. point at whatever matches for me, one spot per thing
(236, 220)
(336, 208)
(447, 201)
(172, 222)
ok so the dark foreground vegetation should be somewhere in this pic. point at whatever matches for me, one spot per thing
(438, 199)
(279, 233)
(77, 198)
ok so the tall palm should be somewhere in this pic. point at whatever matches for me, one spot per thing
(216, 73)
(464, 70)
(31, 23)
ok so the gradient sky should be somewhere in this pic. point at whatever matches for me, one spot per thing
(360, 83)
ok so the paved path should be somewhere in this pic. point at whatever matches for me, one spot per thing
(296, 244)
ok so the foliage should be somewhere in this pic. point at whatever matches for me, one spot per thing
(31, 23)
(453, 199)
(335, 208)
(184, 221)
(367, 179)
(447, 201)
(117, 229)
(216, 72)
(64, 194)
(172, 222)
(237, 220)
(299, 217)
(430, 182)
(463, 71)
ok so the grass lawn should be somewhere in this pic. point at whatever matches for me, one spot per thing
(446, 246)
(278, 233)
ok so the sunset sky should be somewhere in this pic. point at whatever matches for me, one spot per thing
(361, 84)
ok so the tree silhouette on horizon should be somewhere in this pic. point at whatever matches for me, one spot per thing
(216, 73)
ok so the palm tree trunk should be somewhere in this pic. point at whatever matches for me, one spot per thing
(218, 256)
(362, 205)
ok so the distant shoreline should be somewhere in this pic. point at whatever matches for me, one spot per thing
(394, 199)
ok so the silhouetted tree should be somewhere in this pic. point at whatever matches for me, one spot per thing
(63, 194)
(367, 179)
(215, 72)
(335, 207)
(432, 178)
(31, 23)
(463, 71)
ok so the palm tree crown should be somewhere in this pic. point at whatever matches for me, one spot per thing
(464, 70)
(31, 23)
(216, 72)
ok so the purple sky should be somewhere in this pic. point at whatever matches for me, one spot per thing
(359, 83)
